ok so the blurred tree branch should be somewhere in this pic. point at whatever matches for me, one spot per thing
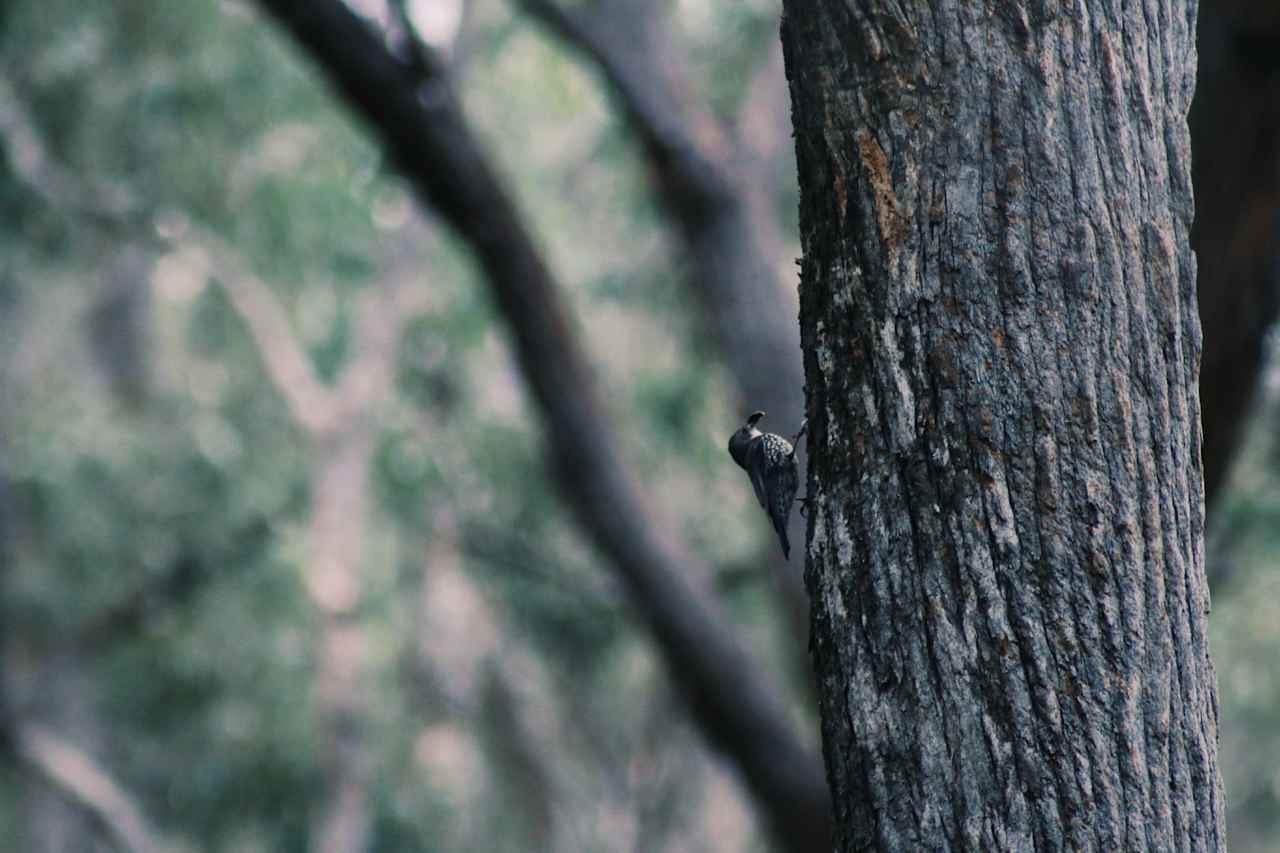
(82, 779)
(312, 405)
(424, 133)
(341, 426)
(712, 184)
(108, 205)
(316, 407)
(1235, 146)
(470, 669)
(337, 422)
(461, 664)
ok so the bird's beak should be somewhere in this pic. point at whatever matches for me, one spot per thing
(755, 416)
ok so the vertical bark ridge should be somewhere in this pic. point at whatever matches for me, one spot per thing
(1098, 254)
(1001, 346)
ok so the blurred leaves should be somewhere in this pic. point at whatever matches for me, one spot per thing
(160, 527)
(1243, 555)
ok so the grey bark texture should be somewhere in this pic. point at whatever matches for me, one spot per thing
(998, 314)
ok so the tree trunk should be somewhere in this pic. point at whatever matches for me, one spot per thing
(998, 314)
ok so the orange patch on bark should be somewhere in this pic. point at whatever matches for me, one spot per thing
(893, 225)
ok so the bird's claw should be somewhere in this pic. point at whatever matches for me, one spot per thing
(804, 426)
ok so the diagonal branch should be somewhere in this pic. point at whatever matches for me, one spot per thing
(711, 185)
(335, 422)
(114, 208)
(693, 163)
(30, 160)
(315, 407)
(310, 402)
(82, 779)
(424, 132)
(626, 42)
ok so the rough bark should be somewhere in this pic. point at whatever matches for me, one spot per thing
(1235, 143)
(998, 314)
(425, 134)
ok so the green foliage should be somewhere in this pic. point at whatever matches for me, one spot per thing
(189, 512)
(1245, 630)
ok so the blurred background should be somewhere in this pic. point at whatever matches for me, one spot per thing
(283, 565)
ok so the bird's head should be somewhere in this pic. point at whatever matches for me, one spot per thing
(739, 441)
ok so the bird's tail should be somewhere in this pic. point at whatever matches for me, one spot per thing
(781, 527)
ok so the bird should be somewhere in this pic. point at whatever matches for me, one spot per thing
(770, 462)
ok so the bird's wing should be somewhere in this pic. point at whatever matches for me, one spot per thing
(756, 468)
